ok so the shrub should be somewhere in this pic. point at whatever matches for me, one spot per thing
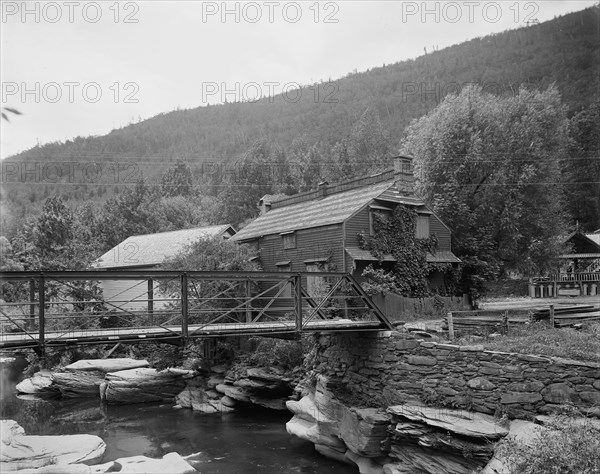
(570, 446)
(275, 352)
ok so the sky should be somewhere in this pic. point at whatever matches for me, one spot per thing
(79, 68)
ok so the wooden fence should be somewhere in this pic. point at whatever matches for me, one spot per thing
(402, 308)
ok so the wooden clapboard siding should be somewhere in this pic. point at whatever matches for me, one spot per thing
(311, 244)
(130, 294)
(441, 231)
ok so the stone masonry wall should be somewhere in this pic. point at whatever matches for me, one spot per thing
(394, 364)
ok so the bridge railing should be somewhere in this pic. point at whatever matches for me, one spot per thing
(99, 306)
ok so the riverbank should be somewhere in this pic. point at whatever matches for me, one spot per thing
(378, 403)
(246, 441)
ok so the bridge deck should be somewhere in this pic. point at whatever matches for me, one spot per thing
(61, 308)
(102, 336)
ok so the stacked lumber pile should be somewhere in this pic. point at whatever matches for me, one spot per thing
(483, 322)
(486, 321)
(565, 316)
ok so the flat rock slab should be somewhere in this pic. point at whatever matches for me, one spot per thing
(106, 365)
(476, 425)
(19, 451)
(41, 382)
(171, 463)
(143, 385)
(78, 385)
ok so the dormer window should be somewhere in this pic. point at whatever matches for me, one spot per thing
(381, 211)
(289, 240)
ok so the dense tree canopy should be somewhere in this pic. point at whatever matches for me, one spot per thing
(489, 166)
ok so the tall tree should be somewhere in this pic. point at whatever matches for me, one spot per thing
(177, 181)
(582, 168)
(489, 165)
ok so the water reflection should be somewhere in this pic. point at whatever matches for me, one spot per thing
(233, 443)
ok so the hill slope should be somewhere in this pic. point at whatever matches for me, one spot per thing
(562, 51)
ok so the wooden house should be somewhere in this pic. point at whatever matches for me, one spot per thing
(147, 252)
(318, 230)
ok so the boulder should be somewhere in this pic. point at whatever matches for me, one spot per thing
(143, 385)
(20, 451)
(462, 422)
(106, 365)
(306, 409)
(237, 393)
(311, 431)
(365, 465)
(268, 375)
(78, 385)
(215, 380)
(326, 402)
(363, 431)
(41, 383)
(432, 437)
(171, 463)
(190, 396)
(333, 454)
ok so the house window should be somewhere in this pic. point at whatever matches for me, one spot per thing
(422, 228)
(289, 240)
(382, 212)
(285, 266)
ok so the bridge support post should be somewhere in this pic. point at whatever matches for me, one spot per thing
(298, 302)
(42, 320)
(32, 304)
(248, 296)
(151, 300)
(184, 306)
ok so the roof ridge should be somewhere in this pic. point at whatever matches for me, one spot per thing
(336, 188)
(178, 230)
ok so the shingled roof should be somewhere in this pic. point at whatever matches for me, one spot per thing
(153, 249)
(327, 210)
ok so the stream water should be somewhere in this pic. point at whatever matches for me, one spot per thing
(236, 443)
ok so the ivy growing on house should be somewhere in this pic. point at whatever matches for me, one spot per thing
(394, 234)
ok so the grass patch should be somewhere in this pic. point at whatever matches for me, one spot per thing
(541, 339)
(570, 446)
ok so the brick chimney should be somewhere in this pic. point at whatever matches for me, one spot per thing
(264, 204)
(323, 188)
(403, 172)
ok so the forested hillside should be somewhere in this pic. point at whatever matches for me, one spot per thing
(328, 132)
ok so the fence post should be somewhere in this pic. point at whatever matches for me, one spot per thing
(32, 304)
(552, 315)
(298, 301)
(42, 320)
(151, 300)
(450, 326)
(184, 305)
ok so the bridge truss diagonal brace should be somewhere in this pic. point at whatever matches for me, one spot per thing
(368, 301)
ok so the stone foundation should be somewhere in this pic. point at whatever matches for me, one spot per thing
(397, 368)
